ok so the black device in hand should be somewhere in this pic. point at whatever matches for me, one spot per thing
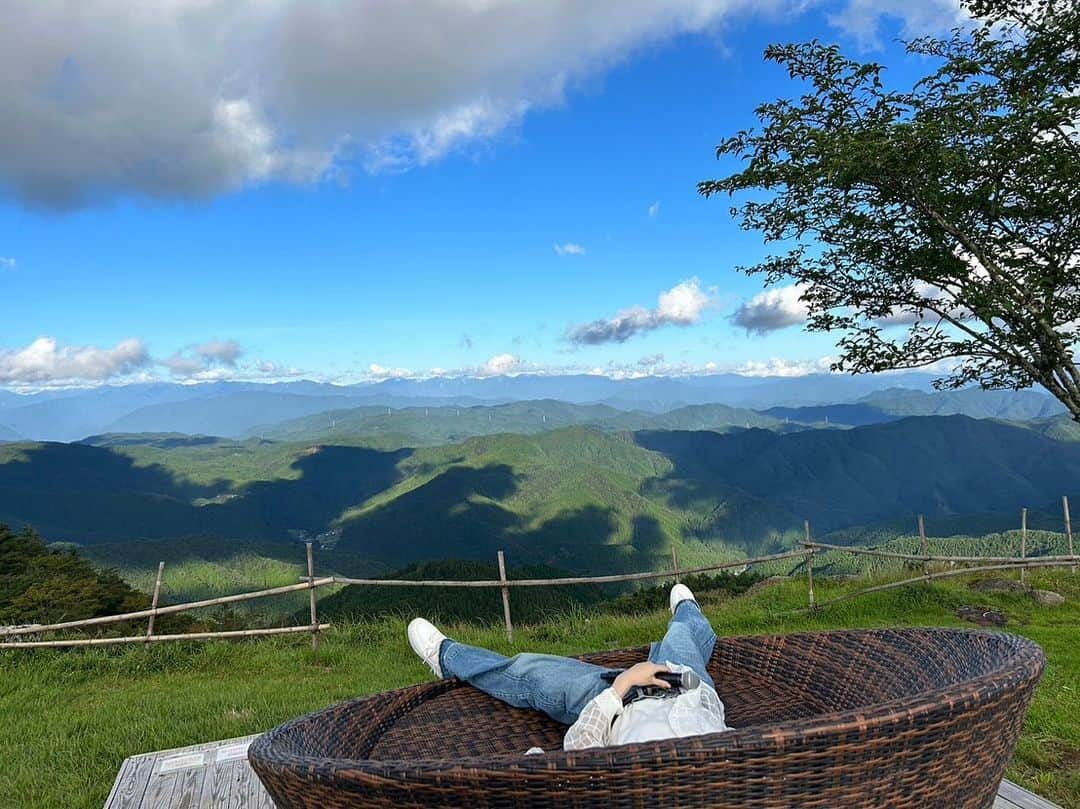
(678, 680)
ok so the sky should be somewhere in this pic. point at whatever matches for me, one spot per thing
(269, 189)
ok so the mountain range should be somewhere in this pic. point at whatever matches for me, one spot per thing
(576, 497)
(234, 409)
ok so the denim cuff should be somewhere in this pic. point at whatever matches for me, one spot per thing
(446, 644)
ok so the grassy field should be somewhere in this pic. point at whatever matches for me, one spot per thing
(69, 719)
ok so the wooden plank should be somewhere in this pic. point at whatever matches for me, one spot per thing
(188, 792)
(239, 786)
(129, 794)
(121, 778)
(1022, 797)
(258, 797)
(216, 785)
(159, 791)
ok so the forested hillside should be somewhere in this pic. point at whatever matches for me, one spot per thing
(426, 426)
(39, 585)
(577, 498)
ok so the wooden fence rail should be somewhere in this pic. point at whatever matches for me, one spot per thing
(311, 583)
(168, 610)
(232, 633)
(1066, 560)
(944, 574)
(618, 577)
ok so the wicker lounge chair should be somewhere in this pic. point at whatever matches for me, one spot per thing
(908, 717)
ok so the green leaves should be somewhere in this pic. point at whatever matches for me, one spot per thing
(937, 223)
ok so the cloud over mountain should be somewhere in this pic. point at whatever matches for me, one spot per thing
(771, 310)
(501, 364)
(682, 305)
(45, 362)
(197, 360)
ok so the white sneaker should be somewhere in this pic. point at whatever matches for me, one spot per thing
(425, 639)
(679, 594)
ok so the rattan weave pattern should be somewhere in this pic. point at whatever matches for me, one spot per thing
(864, 718)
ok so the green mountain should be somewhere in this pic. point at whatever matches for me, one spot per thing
(895, 403)
(979, 404)
(444, 425)
(428, 426)
(567, 498)
(1059, 428)
(576, 498)
(752, 482)
(838, 415)
(229, 415)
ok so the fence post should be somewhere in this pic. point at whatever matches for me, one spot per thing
(311, 591)
(809, 564)
(154, 602)
(1023, 540)
(505, 598)
(923, 544)
(1068, 527)
(675, 562)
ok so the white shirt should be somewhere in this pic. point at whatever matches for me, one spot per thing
(691, 713)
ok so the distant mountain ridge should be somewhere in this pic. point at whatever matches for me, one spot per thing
(447, 424)
(69, 415)
(894, 403)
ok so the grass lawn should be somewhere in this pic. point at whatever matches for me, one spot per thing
(68, 719)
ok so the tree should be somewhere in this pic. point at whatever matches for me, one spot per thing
(937, 224)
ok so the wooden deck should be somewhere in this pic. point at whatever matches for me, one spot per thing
(216, 775)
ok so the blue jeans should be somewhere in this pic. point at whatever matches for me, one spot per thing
(561, 686)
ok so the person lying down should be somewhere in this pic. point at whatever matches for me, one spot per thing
(670, 695)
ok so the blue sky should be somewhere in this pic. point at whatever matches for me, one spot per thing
(477, 243)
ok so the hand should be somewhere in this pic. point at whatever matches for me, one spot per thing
(639, 674)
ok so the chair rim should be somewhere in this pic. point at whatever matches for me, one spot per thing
(1025, 662)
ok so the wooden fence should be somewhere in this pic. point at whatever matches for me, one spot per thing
(810, 548)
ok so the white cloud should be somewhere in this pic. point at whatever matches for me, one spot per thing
(191, 98)
(774, 367)
(376, 371)
(226, 352)
(501, 364)
(449, 131)
(654, 209)
(8, 262)
(771, 310)
(46, 362)
(263, 368)
(682, 305)
(212, 359)
(569, 249)
(861, 19)
(184, 365)
(778, 366)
